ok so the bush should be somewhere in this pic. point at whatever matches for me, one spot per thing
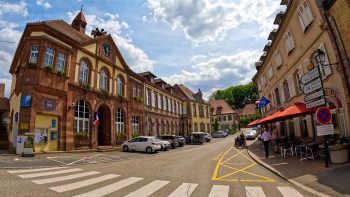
(61, 73)
(49, 68)
(82, 135)
(86, 86)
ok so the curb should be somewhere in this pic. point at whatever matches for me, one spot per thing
(291, 181)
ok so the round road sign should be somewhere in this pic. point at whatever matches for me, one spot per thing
(323, 115)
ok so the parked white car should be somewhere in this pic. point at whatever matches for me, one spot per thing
(164, 144)
(149, 144)
(207, 137)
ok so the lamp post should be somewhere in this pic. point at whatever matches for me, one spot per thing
(320, 58)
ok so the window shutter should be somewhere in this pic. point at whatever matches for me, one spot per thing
(291, 86)
(300, 17)
(308, 13)
(326, 70)
(281, 92)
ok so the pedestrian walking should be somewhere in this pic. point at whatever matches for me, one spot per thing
(266, 138)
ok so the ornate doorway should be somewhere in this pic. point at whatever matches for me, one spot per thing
(104, 126)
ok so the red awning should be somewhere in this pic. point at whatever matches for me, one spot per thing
(253, 122)
(297, 109)
(270, 118)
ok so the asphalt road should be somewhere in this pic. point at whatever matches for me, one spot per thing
(213, 169)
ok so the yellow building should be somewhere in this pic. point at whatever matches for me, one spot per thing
(196, 116)
(289, 54)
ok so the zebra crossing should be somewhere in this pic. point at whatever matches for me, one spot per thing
(79, 179)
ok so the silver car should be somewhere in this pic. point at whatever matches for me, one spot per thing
(164, 144)
(219, 134)
(148, 144)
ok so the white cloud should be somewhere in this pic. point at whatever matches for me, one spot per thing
(144, 18)
(46, 5)
(134, 56)
(216, 73)
(13, 8)
(210, 20)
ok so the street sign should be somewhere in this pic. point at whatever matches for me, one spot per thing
(313, 96)
(323, 115)
(309, 76)
(325, 130)
(316, 103)
(313, 86)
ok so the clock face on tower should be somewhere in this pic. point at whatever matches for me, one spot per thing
(107, 50)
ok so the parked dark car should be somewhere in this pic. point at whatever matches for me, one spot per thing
(170, 138)
(196, 138)
(181, 140)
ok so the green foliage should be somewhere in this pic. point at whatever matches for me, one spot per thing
(86, 86)
(104, 92)
(245, 121)
(216, 124)
(61, 73)
(134, 135)
(121, 97)
(120, 136)
(232, 131)
(49, 68)
(138, 99)
(237, 96)
(82, 135)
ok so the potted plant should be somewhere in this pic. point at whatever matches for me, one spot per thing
(81, 138)
(49, 68)
(120, 137)
(61, 73)
(105, 92)
(86, 86)
(338, 149)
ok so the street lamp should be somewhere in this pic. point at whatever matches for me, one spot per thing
(320, 56)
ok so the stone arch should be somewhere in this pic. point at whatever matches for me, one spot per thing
(104, 131)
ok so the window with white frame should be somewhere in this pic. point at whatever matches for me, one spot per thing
(134, 91)
(269, 71)
(263, 80)
(119, 121)
(291, 86)
(81, 117)
(160, 103)
(278, 59)
(104, 80)
(135, 124)
(83, 73)
(120, 86)
(49, 56)
(289, 41)
(34, 54)
(61, 59)
(153, 104)
(305, 15)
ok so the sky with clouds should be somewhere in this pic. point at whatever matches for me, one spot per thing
(206, 44)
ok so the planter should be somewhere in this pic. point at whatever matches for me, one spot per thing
(339, 154)
(82, 143)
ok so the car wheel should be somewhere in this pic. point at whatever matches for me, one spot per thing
(125, 148)
(149, 150)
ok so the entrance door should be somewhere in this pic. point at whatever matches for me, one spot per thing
(104, 127)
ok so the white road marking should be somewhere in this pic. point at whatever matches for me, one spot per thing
(111, 188)
(24, 176)
(148, 189)
(254, 192)
(64, 178)
(289, 192)
(35, 170)
(219, 191)
(184, 190)
(83, 159)
(80, 184)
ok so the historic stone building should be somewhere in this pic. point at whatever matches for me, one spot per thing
(64, 82)
(162, 107)
(196, 116)
(301, 35)
(222, 112)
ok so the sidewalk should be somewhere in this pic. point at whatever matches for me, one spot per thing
(332, 181)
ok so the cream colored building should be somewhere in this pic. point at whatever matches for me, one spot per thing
(301, 31)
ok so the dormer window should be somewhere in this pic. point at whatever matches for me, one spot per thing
(219, 110)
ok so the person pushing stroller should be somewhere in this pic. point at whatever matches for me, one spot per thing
(240, 141)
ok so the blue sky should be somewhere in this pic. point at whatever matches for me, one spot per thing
(206, 44)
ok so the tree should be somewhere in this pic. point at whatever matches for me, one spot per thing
(237, 96)
(216, 124)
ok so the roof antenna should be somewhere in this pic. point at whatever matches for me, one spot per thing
(81, 9)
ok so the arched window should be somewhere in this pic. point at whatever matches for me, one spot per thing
(119, 121)
(104, 80)
(84, 73)
(119, 86)
(195, 127)
(82, 117)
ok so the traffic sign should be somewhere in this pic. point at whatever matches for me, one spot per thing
(309, 76)
(325, 130)
(323, 115)
(313, 86)
(313, 96)
(316, 103)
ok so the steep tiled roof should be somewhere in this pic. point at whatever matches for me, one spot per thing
(147, 73)
(248, 109)
(217, 104)
(187, 92)
(65, 29)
